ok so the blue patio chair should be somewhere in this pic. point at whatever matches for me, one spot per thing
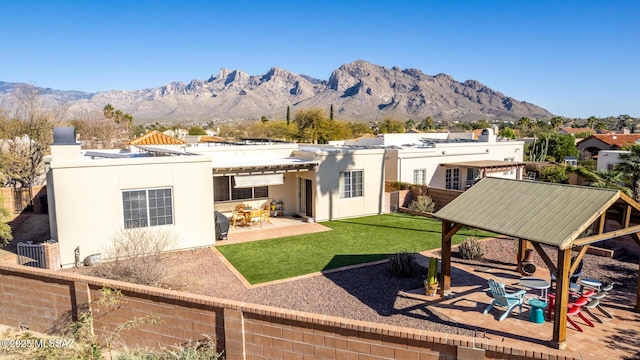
(503, 299)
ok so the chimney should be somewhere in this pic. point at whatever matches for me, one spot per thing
(65, 146)
(487, 135)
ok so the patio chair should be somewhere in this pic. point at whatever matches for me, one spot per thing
(573, 309)
(573, 281)
(255, 216)
(504, 299)
(266, 212)
(237, 217)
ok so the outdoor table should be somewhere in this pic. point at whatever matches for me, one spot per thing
(536, 284)
(537, 307)
(590, 283)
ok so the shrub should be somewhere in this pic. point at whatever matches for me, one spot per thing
(403, 264)
(203, 349)
(136, 256)
(423, 203)
(470, 249)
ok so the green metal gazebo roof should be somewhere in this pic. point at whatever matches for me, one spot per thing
(552, 214)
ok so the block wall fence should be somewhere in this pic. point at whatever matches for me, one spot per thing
(48, 301)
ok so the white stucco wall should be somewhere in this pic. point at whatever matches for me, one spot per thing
(606, 158)
(401, 163)
(85, 199)
(328, 204)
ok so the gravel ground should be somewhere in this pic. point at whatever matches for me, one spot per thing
(369, 293)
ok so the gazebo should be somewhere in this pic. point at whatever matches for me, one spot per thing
(562, 216)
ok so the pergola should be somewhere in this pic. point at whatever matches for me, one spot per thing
(562, 216)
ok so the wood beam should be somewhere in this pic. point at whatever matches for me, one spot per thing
(448, 230)
(636, 238)
(603, 220)
(627, 216)
(559, 340)
(607, 235)
(547, 260)
(576, 262)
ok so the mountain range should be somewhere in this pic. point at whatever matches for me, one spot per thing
(359, 91)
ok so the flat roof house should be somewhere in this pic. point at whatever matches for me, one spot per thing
(92, 195)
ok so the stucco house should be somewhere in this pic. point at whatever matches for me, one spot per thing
(324, 182)
(590, 146)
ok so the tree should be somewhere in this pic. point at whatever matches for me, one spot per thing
(118, 116)
(26, 131)
(630, 166)
(197, 130)
(288, 115)
(507, 133)
(426, 124)
(388, 125)
(309, 122)
(554, 174)
(5, 229)
(331, 112)
(556, 121)
(611, 180)
(592, 121)
(410, 124)
(553, 146)
(264, 119)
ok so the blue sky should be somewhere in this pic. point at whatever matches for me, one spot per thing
(574, 58)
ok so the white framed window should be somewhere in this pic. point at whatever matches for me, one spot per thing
(223, 190)
(509, 172)
(147, 207)
(351, 184)
(452, 179)
(420, 176)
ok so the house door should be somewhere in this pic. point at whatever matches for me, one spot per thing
(305, 197)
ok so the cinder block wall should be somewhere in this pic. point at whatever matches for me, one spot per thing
(48, 301)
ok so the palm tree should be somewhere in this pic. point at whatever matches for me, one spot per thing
(630, 167)
(607, 179)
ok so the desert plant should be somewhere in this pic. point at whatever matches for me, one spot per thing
(402, 264)
(202, 349)
(470, 249)
(423, 203)
(432, 271)
(136, 255)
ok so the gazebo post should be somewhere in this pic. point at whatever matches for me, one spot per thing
(559, 340)
(636, 238)
(445, 286)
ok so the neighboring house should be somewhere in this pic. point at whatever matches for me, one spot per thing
(455, 163)
(590, 146)
(608, 159)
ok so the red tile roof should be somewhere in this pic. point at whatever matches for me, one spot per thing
(618, 140)
(155, 137)
(206, 139)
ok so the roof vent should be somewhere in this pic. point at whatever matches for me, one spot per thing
(64, 135)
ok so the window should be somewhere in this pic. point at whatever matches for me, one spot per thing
(420, 176)
(351, 184)
(150, 207)
(223, 190)
(453, 179)
(509, 172)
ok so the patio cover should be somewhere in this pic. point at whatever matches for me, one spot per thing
(561, 216)
(254, 166)
(489, 165)
(247, 181)
(551, 214)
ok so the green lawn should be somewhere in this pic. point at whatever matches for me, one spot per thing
(352, 241)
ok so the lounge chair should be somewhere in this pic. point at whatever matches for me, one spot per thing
(504, 299)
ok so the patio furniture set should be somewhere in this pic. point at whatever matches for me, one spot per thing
(586, 295)
(248, 216)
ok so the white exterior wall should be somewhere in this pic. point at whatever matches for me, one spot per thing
(606, 158)
(85, 199)
(327, 202)
(401, 163)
